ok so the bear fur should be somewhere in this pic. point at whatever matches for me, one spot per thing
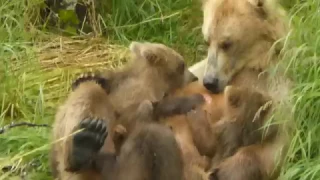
(240, 35)
(95, 102)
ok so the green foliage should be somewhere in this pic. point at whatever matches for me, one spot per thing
(68, 16)
(69, 19)
(304, 66)
(176, 23)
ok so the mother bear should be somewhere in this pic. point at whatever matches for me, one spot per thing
(242, 38)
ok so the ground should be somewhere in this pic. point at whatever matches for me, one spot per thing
(37, 66)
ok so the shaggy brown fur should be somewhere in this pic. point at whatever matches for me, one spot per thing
(206, 123)
(145, 150)
(155, 71)
(246, 112)
(222, 125)
(250, 163)
(87, 108)
(195, 165)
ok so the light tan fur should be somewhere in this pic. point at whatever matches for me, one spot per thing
(241, 35)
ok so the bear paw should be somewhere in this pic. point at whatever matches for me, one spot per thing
(87, 143)
(91, 76)
(178, 105)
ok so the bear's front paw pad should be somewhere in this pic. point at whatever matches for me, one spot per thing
(87, 142)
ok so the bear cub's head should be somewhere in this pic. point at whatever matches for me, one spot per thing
(246, 104)
(160, 59)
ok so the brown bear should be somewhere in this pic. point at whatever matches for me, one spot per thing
(241, 37)
(246, 112)
(241, 34)
(195, 165)
(250, 163)
(172, 112)
(155, 71)
(88, 108)
(96, 101)
(222, 125)
(144, 149)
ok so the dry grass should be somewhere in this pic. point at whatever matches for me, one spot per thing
(81, 53)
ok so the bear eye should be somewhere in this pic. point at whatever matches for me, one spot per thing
(225, 45)
(181, 67)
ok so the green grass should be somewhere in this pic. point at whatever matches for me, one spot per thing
(30, 91)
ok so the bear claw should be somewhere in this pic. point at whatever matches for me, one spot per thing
(87, 143)
(90, 76)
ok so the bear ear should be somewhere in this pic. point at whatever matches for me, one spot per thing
(233, 96)
(144, 51)
(260, 7)
(135, 47)
(149, 55)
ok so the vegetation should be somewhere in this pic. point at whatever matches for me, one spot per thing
(37, 66)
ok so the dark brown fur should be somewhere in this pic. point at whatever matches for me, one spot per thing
(146, 150)
(127, 128)
(195, 165)
(245, 115)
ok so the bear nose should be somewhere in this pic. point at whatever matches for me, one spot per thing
(211, 84)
